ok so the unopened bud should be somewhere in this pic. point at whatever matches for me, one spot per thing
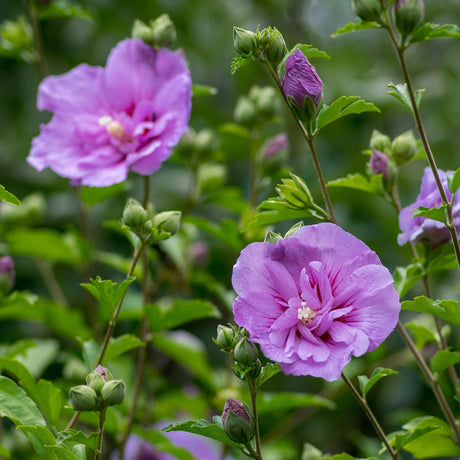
(245, 352)
(245, 111)
(272, 237)
(225, 338)
(238, 421)
(210, 176)
(379, 163)
(244, 41)
(142, 31)
(7, 274)
(409, 14)
(265, 99)
(164, 32)
(168, 221)
(113, 392)
(403, 148)
(97, 378)
(83, 398)
(134, 215)
(368, 10)
(276, 47)
(379, 141)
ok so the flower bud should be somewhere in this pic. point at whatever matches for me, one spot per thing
(255, 369)
(164, 32)
(272, 237)
(295, 192)
(403, 147)
(245, 111)
(245, 352)
(379, 163)
(276, 47)
(142, 31)
(210, 176)
(225, 338)
(113, 392)
(409, 14)
(368, 10)
(97, 378)
(205, 141)
(83, 398)
(265, 100)
(6, 274)
(168, 221)
(276, 145)
(244, 41)
(379, 141)
(238, 421)
(134, 215)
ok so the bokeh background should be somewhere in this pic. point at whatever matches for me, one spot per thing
(361, 64)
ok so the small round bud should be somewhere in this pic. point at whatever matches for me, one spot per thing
(403, 148)
(276, 48)
(238, 421)
(409, 14)
(368, 10)
(265, 99)
(205, 141)
(168, 221)
(379, 163)
(142, 31)
(379, 141)
(95, 381)
(225, 338)
(244, 41)
(83, 398)
(134, 215)
(245, 352)
(255, 369)
(210, 176)
(164, 32)
(245, 111)
(113, 392)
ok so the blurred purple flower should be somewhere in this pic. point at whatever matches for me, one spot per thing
(314, 299)
(128, 115)
(276, 144)
(301, 80)
(379, 163)
(416, 229)
(6, 274)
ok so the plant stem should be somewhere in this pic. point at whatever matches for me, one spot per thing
(54, 288)
(101, 434)
(399, 49)
(311, 147)
(41, 63)
(253, 395)
(371, 416)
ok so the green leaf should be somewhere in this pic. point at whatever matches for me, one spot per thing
(344, 105)
(353, 27)
(120, 345)
(310, 452)
(455, 182)
(365, 383)
(204, 428)
(447, 310)
(345, 457)
(359, 182)
(39, 436)
(264, 218)
(187, 350)
(90, 351)
(108, 293)
(47, 244)
(95, 195)
(163, 317)
(4, 452)
(429, 31)
(401, 93)
(49, 400)
(8, 197)
(22, 375)
(230, 198)
(40, 356)
(423, 330)
(64, 9)
(406, 277)
(267, 372)
(72, 437)
(443, 359)
(438, 214)
(271, 403)
(17, 406)
(203, 90)
(62, 453)
(235, 129)
(240, 61)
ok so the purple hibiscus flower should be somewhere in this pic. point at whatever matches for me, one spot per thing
(416, 229)
(314, 299)
(301, 80)
(379, 163)
(127, 115)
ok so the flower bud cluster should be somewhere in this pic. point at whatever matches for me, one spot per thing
(101, 390)
(150, 227)
(295, 193)
(266, 45)
(261, 104)
(159, 33)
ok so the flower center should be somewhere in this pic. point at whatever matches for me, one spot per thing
(114, 128)
(306, 314)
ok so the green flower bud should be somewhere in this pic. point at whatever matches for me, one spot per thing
(97, 378)
(205, 141)
(134, 215)
(255, 369)
(275, 49)
(409, 14)
(225, 338)
(142, 31)
(168, 221)
(403, 148)
(164, 32)
(379, 141)
(245, 111)
(265, 99)
(238, 421)
(293, 229)
(368, 10)
(113, 392)
(211, 176)
(245, 352)
(83, 398)
(295, 192)
(244, 41)
(272, 237)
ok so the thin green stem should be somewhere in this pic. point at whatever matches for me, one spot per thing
(311, 147)
(41, 63)
(98, 452)
(51, 282)
(363, 403)
(253, 395)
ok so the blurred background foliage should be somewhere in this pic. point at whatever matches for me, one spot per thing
(362, 64)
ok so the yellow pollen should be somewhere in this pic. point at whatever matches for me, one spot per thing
(116, 129)
(306, 314)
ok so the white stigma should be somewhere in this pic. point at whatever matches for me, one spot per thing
(114, 128)
(306, 314)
